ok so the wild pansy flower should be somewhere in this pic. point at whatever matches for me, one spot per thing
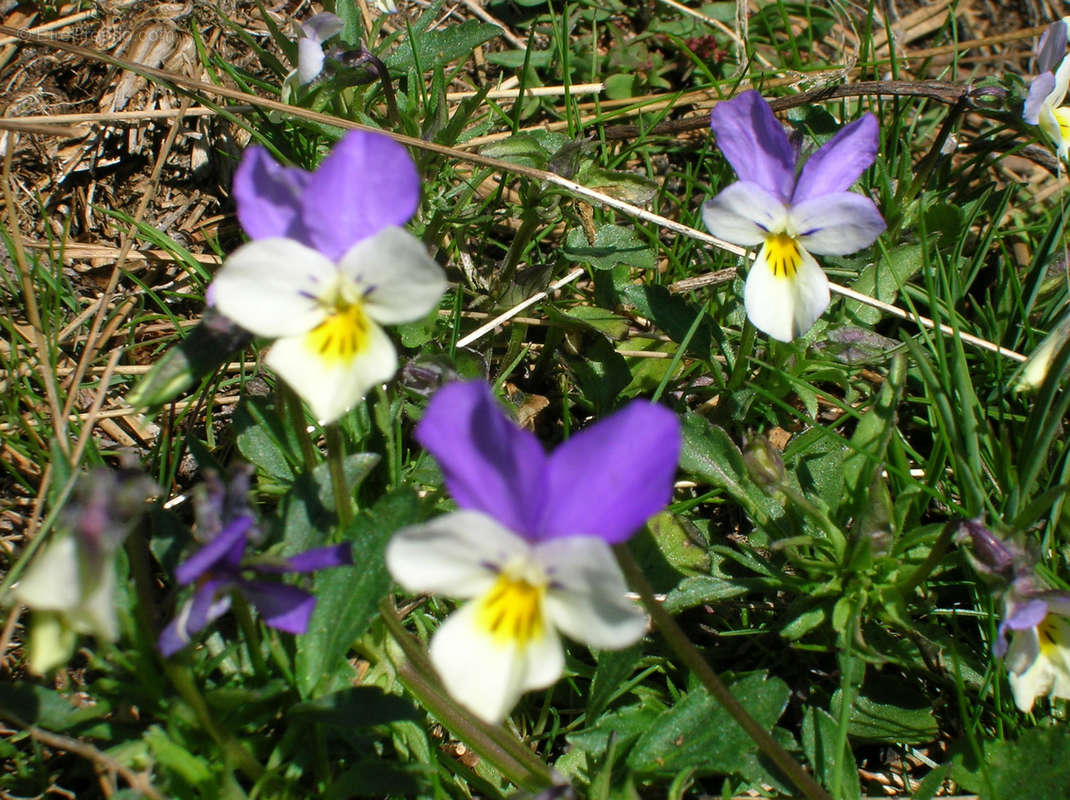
(790, 215)
(530, 549)
(220, 568)
(70, 586)
(1047, 92)
(310, 58)
(1036, 618)
(328, 264)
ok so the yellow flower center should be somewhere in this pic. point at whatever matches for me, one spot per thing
(1054, 638)
(1062, 120)
(782, 255)
(511, 612)
(342, 335)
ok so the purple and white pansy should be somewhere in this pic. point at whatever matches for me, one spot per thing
(329, 262)
(530, 547)
(1038, 655)
(221, 568)
(1047, 92)
(790, 214)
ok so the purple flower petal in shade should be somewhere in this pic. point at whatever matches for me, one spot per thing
(367, 183)
(321, 27)
(284, 607)
(1052, 46)
(1039, 89)
(489, 463)
(839, 162)
(268, 197)
(172, 638)
(210, 602)
(608, 479)
(754, 143)
(320, 558)
(229, 545)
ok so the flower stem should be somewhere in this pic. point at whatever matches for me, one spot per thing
(685, 650)
(508, 754)
(743, 354)
(336, 454)
(296, 412)
(249, 632)
(181, 677)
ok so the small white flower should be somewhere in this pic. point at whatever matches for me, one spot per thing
(505, 640)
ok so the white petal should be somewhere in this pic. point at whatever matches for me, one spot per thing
(586, 599)
(488, 675)
(310, 60)
(785, 307)
(456, 554)
(51, 642)
(96, 615)
(332, 385)
(1024, 650)
(402, 282)
(270, 287)
(53, 581)
(744, 213)
(836, 224)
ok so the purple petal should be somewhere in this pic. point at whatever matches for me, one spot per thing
(222, 549)
(1052, 46)
(607, 480)
(1027, 616)
(322, 27)
(194, 616)
(754, 143)
(839, 161)
(367, 183)
(1039, 89)
(172, 638)
(268, 197)
(489, 463)
(320, 558)
(284, 607)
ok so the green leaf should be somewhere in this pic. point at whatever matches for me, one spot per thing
(698, 590)
(698, 733)
(680, 543)
(614, 668)
(1037, 760)
(441, 47)
(820, 737)
(194, 770)
(612, 245)
(37, 705)
(881, 280)
(636, 189)
(520, 148)
(601, 373)
(889, 712)
(355, 707)
(709, 453)
(347, 596)
(264, 439)
(310, 503)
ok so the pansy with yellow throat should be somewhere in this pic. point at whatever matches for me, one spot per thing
(329, 263)
(530, 548)
(790, 217)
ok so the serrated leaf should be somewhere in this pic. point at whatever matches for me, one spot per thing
(612, 245)
(698, 590)
(347, 597)
(698, 733)
(264, 439)
(441, 47)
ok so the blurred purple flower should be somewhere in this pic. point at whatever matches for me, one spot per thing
(531, 546)
(1051, 49)
(220, 568)
(790, 216)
